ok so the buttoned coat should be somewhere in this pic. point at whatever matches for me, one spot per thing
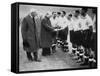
(46, 33)
(29, 34)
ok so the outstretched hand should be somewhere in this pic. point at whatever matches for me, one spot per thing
(57, 29)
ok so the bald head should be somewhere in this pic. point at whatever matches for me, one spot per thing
(48, 14)
(33, 12)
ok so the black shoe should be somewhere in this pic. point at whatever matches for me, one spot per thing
(53, 51)
(79, 61)
(46, 52)
(92, 64)
(83, 64)
(30, 59)
(64, 50)
(73, 51)
(38, 60)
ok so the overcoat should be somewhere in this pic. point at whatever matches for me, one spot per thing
(46, 33)
(29, 34)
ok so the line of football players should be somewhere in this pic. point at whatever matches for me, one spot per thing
(82, 32)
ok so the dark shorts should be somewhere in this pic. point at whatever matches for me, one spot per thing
(93, 42)
(71, 36)
(63, 34)
(86, 41)
(78, 38)
(75, 37)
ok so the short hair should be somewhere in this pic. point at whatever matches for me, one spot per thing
(70, 15)
(85, 9)
(53, 12)
(59, 13)
(77, 11)
(49, 13)
(33, 10)
(94, 11)
(64, 12)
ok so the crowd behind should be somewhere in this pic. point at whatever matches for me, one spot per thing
(42, 34)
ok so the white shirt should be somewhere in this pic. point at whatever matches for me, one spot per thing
(70, 24)
(86, 22)
(62, 22)
(53, 22)
(76, 23)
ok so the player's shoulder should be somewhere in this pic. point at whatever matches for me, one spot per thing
(88, 17)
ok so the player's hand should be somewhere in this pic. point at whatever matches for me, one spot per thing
(55, 29)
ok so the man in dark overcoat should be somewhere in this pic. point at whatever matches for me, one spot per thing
(46, 34)
(29, 35)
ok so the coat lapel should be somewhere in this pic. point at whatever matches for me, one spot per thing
(30, 19)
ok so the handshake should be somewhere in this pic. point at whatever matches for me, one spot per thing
(57, 29)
